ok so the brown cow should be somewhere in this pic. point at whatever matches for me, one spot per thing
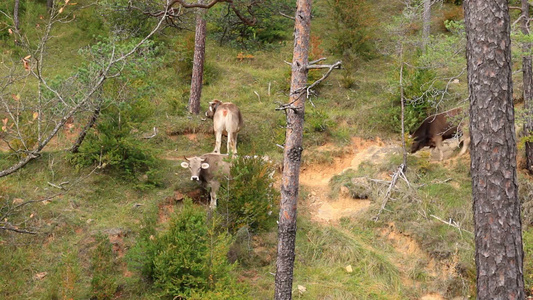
(210, 169)
(227, 118)
(436, 128)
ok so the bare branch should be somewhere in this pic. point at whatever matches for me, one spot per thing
(197, 5)
(287, 16)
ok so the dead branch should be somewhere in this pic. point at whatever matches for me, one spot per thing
(152, 135)
(454, 224)
(287, 16)
(196, 5)
(336, 65)
(395, 176)
(15, 229)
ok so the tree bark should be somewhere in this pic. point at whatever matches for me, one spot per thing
(498, 240)
(295, 111)
(76, 146)
(528, 86)
(49, 4)
(426, 24)
(198, 62)
(16, 14)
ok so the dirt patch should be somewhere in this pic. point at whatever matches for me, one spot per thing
(316, 178)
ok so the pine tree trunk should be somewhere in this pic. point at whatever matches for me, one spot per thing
(528, 87)
(426, 26)
(292, 153)
(198, 62)
(498, 240)
(16, 14)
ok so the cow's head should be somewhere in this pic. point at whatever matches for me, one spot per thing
(195, 165)
(212, 108)
(421, 143)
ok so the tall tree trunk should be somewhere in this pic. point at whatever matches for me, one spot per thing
(292, 154)
(16, 14)
(498, 240)
(49, 4)
(426, 24)
(198, 62)
(528, 86)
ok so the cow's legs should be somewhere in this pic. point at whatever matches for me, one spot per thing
(213, 194)
(233, 141)
(229, 144)
(466, 145)
(218, 141)
(438, 146)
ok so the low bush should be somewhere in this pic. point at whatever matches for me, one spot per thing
(103, 284)
(250, 198)
(189, 259)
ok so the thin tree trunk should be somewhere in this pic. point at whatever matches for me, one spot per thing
(49, 4)
(498, 240)
(292, 154)
(528, 87)
(426, 26)
(198, 62)
(81, 137)
(16, 14)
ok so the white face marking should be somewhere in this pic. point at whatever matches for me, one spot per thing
(210, 108)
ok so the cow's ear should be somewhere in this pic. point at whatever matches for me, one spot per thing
(185, 164)
(205, 165)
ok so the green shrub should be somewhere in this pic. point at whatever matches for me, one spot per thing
(420, 91)
(189, 258)
(270, 27)
(103, 284)
(113, 146)
(250, 198)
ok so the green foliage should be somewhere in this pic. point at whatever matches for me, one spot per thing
(112, 145)
(189, 258)
(317, 121)
(420, 90)
(351, 34)
(103, 282)
(250, 199)
(270, 27)
(121, 18)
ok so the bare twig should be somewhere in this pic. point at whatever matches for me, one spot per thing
(287, 16)
(452, 223)
(259, 97)
(395, 176)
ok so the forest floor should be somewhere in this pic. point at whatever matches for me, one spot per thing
(326, 211)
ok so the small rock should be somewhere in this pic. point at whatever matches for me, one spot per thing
(301, 289)
(40, 276)
(349, 269)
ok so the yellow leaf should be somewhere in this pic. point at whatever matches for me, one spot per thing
(4, 128)
(67, 1)
(15, 97)
(10, 31)
(5, 121)
(27, 57)
(31, 216)
(35, 115)
(61, 10)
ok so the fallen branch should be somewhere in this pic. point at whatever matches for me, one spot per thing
(395, 176)
(452, 223)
